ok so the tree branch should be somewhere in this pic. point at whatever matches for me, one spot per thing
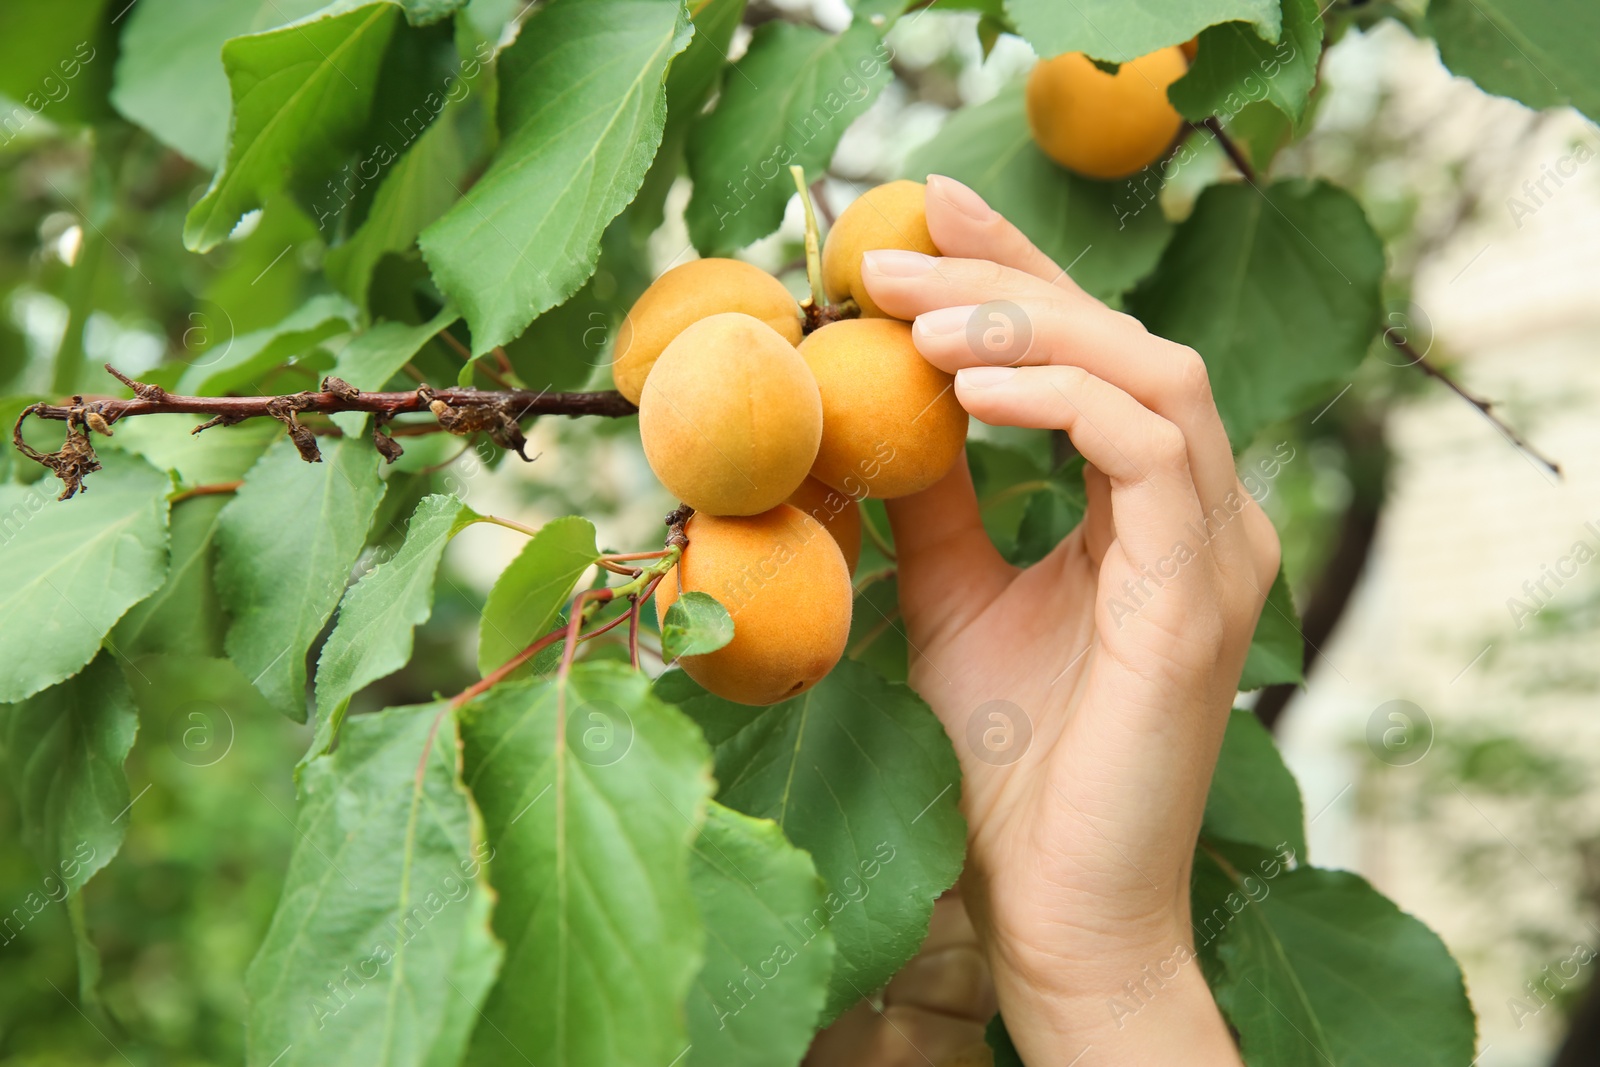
(1236, 156)
(459, 411)
(1484, 406)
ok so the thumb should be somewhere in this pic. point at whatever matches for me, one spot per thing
(947, 567)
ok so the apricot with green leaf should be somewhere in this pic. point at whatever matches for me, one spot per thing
(784, 583)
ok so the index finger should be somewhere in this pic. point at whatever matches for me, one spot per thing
(964, 226)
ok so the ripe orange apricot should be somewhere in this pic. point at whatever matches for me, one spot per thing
(889, 216)
(891, 424)
(730, 417)
(684, 295)
(1105, 125)
(839, 515)
(784, 582)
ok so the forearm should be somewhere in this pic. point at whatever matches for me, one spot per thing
(1154, 1011)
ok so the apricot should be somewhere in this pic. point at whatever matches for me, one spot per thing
(784, 582)
(1105, 125)
(686, 294)
(891, 424)
(839, 515)
(889, 216)
(730, 417)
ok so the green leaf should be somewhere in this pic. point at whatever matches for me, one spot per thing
(998, 1039)
(567, 346)
(877, 634)
(420, 186)
(581, 111)
(169, 443)
(1254, 799)
(14, 464)
(768, 950)
(1277, 649)
(1235, 67)
(55, 61)
(1316, 967)
(285, 546)
(1260, 129)
(531, 592)
(1277, 288)
(1005, 478)
(859, 773)
(424, 12)
(1108, 234)
(786, 102)
(185, 614)
(690, 79)
(1051, 514)
(73, 567)
(300, 95)
(377, 353)
(64, 750)
(593, 793)
(169, 75)
(382, 904)
(1541, 52)
(234, 363)
(892, 9)
(695, 624)
(1118, 31)
(376, 620)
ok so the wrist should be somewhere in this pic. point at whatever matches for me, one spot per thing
(1134, 1012)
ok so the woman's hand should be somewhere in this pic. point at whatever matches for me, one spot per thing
(1119, 652)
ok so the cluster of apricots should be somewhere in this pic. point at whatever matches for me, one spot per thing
(774, 435)
(1105, 125)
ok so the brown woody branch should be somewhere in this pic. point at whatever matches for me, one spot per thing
(498, 414)
(1484, 406)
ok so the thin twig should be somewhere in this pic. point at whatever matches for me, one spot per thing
(873, 634)
(498, 675)
(1486, 407)
(210, 489)
(466, 353)
(633, 632)
(585, 604)
(1241, 162)
(1418, 359)
(873, 577)
(819, 194)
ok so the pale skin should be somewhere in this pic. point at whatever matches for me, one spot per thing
(1079, 851)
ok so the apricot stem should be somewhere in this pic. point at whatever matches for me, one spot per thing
(813, 241)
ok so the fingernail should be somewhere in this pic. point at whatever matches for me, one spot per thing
(961, 198)
(897, 263)
(982, 377)
(943, 322)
